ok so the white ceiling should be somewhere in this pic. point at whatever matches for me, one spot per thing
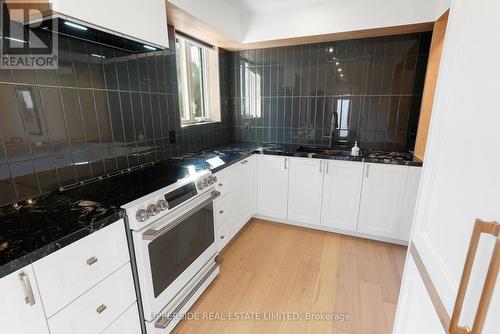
(248, 21)
(261, 6)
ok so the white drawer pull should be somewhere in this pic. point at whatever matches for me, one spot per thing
(92, 260)
(221, 211)
(101, 308)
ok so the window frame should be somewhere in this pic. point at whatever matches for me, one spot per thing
(184, 78)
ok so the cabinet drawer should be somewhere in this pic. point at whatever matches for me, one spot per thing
(69, 272)
(223, 235)
(127, 323)
(98, 308)
(222, 210)
(224, 181)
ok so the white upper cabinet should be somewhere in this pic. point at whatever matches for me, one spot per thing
(305, 190)
(382, 199)
(272, 179)
(341, 194)
(145, 21)
(21, 310)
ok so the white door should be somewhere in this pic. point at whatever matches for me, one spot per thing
(305, 189)
(21, 310)
(382, 199)
(272, 174)
(341, 194)
(460, 177)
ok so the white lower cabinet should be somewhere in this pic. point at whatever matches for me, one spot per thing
(305, 190)
(98, 308)
(84, 288)
(21, 310)
(341, 194)
(127, 323)
(382, 199)
(237, 202)
(69, 272)
(272, 184)
(410, 201)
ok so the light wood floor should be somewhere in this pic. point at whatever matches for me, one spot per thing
(272, 267)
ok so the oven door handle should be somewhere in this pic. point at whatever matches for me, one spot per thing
(151, 234)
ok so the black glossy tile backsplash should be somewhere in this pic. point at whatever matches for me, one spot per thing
(101, 111)
(289, 94)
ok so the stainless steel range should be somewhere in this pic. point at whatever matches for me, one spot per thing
(174, 244)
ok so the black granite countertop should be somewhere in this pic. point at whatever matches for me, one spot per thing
(30, 230)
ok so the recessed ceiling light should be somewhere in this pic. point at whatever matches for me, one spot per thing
(149, 47)
(342, 75)
(337, 63)
(330, 49)
(340, 70)
(74, 25)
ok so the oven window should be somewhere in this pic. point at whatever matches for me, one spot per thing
(173, 252)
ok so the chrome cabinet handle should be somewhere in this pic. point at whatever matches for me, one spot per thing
(221, 211)
(480, 227)
(222, 237)
(101, 308)
(92, 260)
(220, 184)
(28, 290)
(367, 173)
(286, 160)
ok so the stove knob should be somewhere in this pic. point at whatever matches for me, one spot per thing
(162, 205)
(214, 178)
(202, 184)
(141, 215)
(152, 210)
(210, 180)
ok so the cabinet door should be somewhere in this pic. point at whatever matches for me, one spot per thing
(272, 186)
(305, 190)
(382, 199)
(21, 310)
(410, 201)
(342, 194)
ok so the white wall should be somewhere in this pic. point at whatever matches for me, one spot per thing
(338, 16)
(219, 14)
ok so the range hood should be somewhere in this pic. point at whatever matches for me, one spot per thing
(85, 32)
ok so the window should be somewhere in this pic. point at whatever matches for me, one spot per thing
(198, 82)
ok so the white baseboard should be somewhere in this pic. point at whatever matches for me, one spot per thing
(334, 230)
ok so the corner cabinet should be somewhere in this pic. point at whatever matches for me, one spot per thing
(382, 199)
(305, 190)
(272, 183)
(21, 309)
(341, 194)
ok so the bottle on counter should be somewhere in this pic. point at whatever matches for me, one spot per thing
(355, 149)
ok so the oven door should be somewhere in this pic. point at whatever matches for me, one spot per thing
(173, 251)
